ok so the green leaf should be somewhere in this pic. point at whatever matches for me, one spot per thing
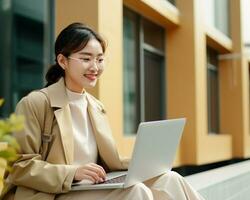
(3, 164)
(1, 102)
(8, 126)
(5, 167)
(11, 141)
(16, 122)
(9, 154)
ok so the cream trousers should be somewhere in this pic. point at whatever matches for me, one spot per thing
(169, 186)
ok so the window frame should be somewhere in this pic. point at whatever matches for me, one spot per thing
(143, 46)
(213, 66)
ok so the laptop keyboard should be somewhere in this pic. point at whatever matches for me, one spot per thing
(119, 179)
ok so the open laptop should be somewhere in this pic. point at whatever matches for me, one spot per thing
(154, 151)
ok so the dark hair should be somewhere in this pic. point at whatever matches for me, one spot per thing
(71, 39)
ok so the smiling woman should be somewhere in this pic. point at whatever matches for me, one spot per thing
(80, 61)
(82, 68)
(67, 137)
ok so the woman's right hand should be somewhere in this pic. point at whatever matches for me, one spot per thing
(91, 171)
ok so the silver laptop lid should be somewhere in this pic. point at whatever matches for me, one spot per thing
(154, 150)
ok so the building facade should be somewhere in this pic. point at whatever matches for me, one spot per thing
(165, 59)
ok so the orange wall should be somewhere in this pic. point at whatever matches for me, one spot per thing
(187, 38)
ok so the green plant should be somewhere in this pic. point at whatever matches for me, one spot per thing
(7, 126)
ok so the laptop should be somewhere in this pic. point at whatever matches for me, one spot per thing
(153, 154)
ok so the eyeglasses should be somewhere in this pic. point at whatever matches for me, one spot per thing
(99, 61)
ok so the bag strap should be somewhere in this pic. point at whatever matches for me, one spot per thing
(47, 128)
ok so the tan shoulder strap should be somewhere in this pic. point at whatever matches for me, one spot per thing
(47, 128)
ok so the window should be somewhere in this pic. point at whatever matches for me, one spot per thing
(213, 91)
(249, 89)
(218, 15)
(143, 71)
(25, 48)
(222, 17)
(245, 23)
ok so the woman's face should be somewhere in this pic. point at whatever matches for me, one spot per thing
(83, 68)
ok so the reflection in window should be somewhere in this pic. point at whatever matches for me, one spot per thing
(25, 48)
(131, 77)
(143, 71)
(218, 15)
(213, 91)
(222, 16)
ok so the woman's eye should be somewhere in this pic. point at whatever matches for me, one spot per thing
(85, 59)
(100, 60)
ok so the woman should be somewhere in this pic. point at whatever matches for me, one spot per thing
(78, 144)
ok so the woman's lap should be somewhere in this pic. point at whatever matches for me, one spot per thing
(168, 186)
(139, 191)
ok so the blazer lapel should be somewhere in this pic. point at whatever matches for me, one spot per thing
(64, 121)
(103, 135)
(59, 99)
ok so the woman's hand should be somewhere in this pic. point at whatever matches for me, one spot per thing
(92, 172)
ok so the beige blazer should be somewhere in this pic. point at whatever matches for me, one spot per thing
(37, 179)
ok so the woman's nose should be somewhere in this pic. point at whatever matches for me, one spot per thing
(94, 68)
(94, 65)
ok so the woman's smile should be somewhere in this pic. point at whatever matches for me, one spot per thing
(91, 77)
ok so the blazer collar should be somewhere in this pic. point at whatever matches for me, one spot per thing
(106, 145)
(57, 94)
(59, 99)
(103, 135)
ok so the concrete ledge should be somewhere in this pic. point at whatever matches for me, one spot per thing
(225, 183)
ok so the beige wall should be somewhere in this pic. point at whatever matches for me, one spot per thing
(187, 38)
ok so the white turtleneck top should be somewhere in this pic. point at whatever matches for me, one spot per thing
(85, 148)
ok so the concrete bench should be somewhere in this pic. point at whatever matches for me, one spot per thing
(231, 182)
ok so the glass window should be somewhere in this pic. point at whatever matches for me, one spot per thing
(246, 23)
(143, 71)
(213, 91)
(131, 89)
(222, 17)
(210, 12)
(25, 48)
(218, 15)
(249, 90)
(154, 86)
(153, 35)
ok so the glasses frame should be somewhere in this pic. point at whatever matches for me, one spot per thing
(99, 65)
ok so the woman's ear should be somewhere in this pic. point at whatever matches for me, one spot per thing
(62, 61)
